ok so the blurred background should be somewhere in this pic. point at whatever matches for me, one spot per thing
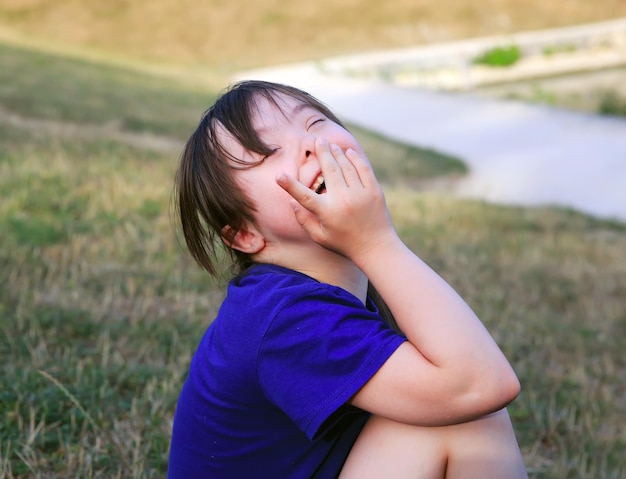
(100, 306)
(224, 36)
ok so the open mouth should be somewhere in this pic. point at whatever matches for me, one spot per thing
(319, 186)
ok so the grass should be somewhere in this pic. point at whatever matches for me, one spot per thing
(101, 309)
(97, 318)
(226, 36)
(597, 100)
(76, 91)
(398, 164)
(535, 278)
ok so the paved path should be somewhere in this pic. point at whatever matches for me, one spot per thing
(516, 153)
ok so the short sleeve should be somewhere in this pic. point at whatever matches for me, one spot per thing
(319, 351)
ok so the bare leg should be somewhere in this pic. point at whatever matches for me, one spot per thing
(485, 448)
(387, 449)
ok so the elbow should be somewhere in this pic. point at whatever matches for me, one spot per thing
(515, 387)
(498, 391)
(486, 394)
(508, 389)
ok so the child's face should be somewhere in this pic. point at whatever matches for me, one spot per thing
(291, 131)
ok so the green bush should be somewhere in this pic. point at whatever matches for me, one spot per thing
(499, 56)
(611, 103)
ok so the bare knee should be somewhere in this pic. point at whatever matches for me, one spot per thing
(484, 448)
(386, 448)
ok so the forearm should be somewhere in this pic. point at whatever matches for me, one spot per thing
(435, 319)
(451, 370)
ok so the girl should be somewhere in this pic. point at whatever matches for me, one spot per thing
(304, 373)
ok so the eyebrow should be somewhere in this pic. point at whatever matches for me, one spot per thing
(300, 107)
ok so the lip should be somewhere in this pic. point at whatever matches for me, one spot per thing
(314, 180)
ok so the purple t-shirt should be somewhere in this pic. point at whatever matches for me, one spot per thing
(268, 386)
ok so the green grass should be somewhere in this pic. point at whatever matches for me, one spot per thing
(53, 87)
(397, 164)
(602, 101)
(95, 309)
(601, 92)
(101, 309)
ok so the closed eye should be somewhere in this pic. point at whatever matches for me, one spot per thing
(274, 150)
(318, 120)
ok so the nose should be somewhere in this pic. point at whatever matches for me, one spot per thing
(308, 145)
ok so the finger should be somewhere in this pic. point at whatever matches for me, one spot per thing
(303, 195)
(362, 167)
(304, 205)
(349, 172)
(331, 170)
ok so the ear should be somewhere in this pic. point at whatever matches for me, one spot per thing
(247, 239)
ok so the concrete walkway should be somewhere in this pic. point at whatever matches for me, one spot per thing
(516, 153)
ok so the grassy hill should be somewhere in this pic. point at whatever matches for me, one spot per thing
(227, 35)
(101, 309)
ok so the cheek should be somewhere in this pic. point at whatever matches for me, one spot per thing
(346, 139)
(273, 204)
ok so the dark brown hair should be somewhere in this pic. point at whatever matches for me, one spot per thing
(207, 196)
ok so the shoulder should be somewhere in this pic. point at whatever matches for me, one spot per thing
(298, 310)
(256, 298)
(270, 308)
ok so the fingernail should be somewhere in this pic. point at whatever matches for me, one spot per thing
(281, 179)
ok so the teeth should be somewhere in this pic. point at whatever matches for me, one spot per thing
(318, 183)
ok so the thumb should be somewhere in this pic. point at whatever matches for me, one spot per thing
(303, 204)
(305, 198)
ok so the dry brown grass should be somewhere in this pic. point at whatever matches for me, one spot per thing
(229, 35)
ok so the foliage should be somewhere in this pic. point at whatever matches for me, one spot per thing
(499, 56)
(612, 103)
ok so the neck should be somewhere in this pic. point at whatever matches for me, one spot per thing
(347, 277)
(325, 266)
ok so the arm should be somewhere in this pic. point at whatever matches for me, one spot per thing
(450, 370)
